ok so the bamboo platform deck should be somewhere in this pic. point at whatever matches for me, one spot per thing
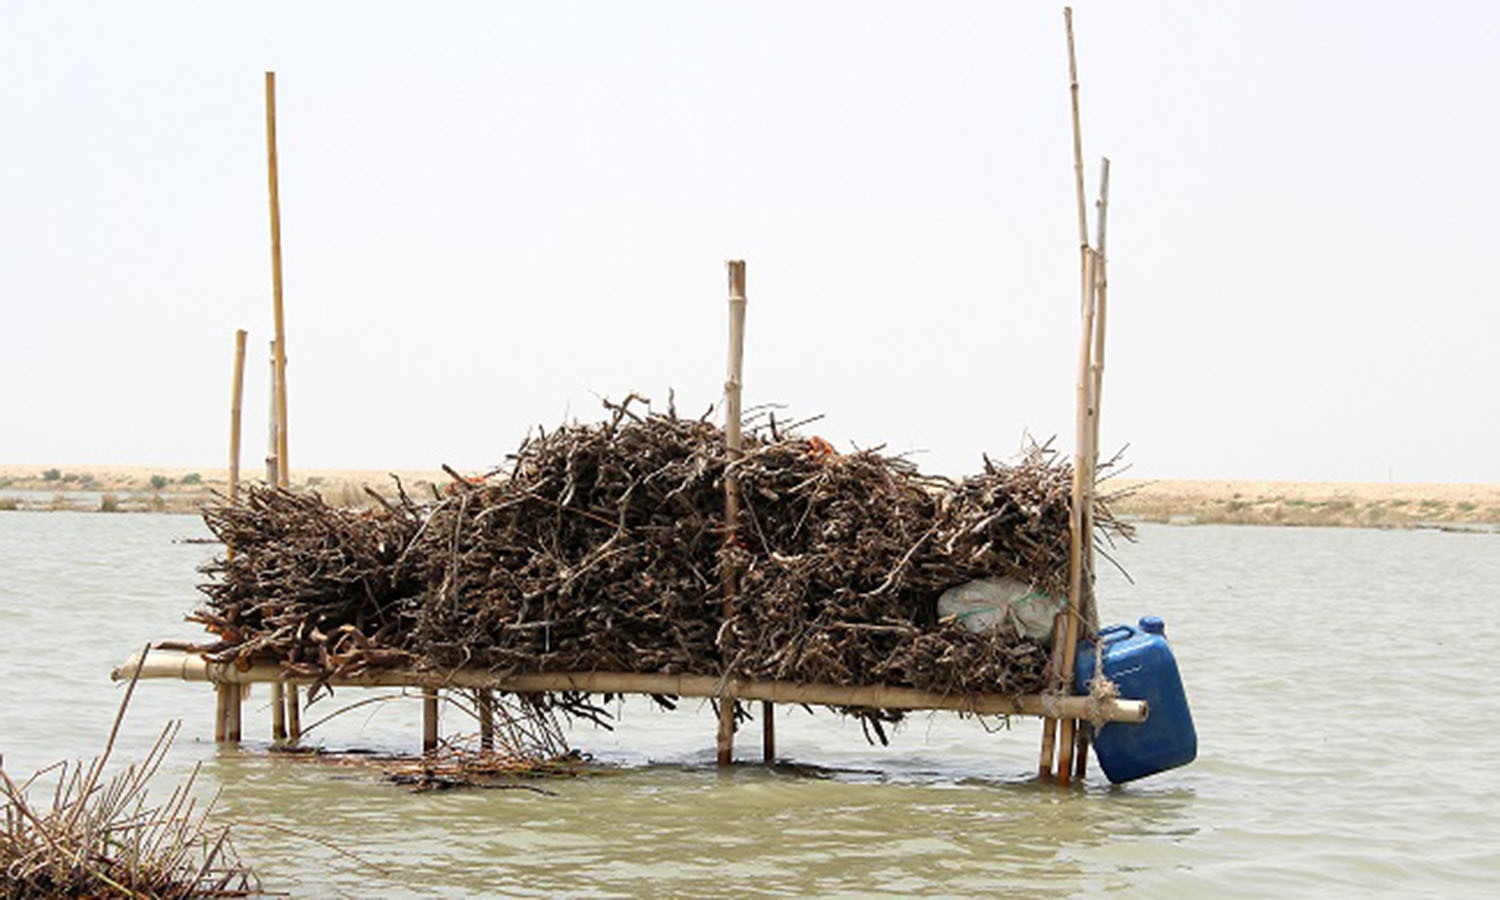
(185, 666)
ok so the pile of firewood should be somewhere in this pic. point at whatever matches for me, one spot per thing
(603, 548)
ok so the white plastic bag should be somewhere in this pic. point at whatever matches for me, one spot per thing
(1003, 602)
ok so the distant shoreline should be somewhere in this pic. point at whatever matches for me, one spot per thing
(1306, 503)
(1180, 501)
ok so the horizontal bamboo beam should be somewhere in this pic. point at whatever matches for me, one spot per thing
(192, 667)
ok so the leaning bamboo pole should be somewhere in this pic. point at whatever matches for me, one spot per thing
(734, 445)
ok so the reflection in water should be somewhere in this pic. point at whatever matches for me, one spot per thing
(1323, 666)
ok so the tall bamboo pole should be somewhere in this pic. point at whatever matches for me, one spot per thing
(734, 441)
(1057, 738)
(273, 185)
(283, 464)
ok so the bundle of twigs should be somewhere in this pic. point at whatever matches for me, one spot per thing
(845, 556)
(604, 550)
(311, 586)
(599, 552)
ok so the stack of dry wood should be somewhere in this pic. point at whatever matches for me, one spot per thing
(604, 549)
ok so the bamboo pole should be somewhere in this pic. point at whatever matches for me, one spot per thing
(176, 664)
(1090, 609)
(283, 465)
(227, 714)
(734, 443)
(486, 704)
(227, 697)
(1083, 499)
(293, 713)
(273, 478)
(236, 398)
(1064, 626)
(283, 468)
(768, 732)
(1098, 286)
(429, 720)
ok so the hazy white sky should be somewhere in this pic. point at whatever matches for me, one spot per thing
(494, 212)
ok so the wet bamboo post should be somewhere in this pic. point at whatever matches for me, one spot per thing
(1083, 499)
(273, 478)
(293, 713)
(227, 708)
(1090, 609)
(429, 720)
(486, 719)
(768, 732)
(1065, 629)
(283, 467)
(227, 696)
(734, 443)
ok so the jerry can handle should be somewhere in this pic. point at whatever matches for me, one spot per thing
(1112, 634)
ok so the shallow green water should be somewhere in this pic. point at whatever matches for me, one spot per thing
(1339, 681)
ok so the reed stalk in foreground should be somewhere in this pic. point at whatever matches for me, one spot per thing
(101, 839)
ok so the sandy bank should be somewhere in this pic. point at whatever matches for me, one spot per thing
(1368, 504)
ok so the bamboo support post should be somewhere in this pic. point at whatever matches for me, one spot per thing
(734, 441)
(236, 398)
(486, 708)
(1099, 286)
(273, 478)
(429, 720)
(293, 713)
(283, 468)
(1058, 737)
(227, 708)
(768, 732)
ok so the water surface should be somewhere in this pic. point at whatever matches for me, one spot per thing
(1339, 681)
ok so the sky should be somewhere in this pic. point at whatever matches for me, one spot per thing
(494, 214)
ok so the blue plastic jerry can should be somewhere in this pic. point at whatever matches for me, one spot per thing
(1140, 662)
